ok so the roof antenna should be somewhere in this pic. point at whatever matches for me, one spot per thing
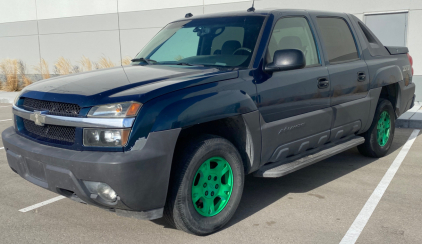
(188, 15)
(252, 9)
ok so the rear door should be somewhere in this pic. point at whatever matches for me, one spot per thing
(348, 72)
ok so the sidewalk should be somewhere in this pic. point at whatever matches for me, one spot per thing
(7, 97)
(412, 118)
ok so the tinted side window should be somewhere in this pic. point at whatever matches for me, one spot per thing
(293, 33)
(367, 33)
(375, 46)
(338, 40)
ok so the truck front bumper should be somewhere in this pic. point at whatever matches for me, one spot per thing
(140, 177)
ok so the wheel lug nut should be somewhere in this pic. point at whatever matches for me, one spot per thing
(215, 178)
(206, 193)
(205, 185)
(212, 193)
(209, 177)
(216, 186)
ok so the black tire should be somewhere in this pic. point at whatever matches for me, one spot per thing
(179, 210)
(371, 148)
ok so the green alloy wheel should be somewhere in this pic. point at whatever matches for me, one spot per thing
(212, 186)
(206, 185)
(383, 128)
(380, 135)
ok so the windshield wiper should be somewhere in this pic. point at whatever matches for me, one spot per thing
(188, 64)
(148, 61)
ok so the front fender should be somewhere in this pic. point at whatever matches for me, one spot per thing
(203, 108)
(194, 105)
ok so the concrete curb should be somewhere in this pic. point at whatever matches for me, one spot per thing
(412, 118)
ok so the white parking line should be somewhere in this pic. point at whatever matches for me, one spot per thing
(5, 120)
(5, 106)
(55, 199)
(354, 232)
(1, 148)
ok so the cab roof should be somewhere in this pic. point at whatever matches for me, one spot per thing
(257, 12)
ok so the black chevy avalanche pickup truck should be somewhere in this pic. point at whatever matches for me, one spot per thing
(208, 100)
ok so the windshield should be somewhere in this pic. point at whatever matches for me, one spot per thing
(224, 41)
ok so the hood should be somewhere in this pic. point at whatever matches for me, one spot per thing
(127, 83)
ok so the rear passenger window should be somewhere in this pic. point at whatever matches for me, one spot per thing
(293, 33)
(367, 33)
(338, 40)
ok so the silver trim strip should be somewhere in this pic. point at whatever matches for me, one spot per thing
(387, 12)
(40, 118)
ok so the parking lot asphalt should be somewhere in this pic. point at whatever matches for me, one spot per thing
(317, 204)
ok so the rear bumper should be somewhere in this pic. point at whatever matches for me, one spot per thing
(140, 177)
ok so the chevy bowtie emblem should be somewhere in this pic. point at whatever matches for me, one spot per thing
(38, 117)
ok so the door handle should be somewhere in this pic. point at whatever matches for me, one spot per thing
(323, 83)
(361, 76)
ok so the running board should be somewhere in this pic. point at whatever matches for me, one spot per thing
(275, 170)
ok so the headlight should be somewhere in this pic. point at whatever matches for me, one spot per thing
(116, 110)
(106, 137)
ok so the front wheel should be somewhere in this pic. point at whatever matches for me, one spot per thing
(379, 137)
(206, 186)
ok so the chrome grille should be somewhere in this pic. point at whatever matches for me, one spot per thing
(53, 108)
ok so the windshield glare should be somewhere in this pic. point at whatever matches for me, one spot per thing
(225, 41)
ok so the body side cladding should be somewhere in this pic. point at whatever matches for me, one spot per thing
(373, 96)
(311, 123)
(253, 140)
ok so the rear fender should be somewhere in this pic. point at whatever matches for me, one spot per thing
(386, 76)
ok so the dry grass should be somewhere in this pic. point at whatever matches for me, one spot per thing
(105, 63)
(126, 61)
(63, 66)
(25, 81)
(16, 77)
(43, 69)
(86, 64)
(10, 69)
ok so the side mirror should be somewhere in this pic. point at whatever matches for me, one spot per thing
(287, 59)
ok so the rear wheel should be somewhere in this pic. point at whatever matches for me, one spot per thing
(206, 186)
(379, 137)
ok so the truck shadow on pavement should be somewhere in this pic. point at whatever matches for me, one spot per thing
(259, 193)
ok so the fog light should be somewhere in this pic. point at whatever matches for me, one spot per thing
(106, 192)
(101, 189)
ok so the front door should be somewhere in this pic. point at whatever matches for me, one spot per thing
(295, 104)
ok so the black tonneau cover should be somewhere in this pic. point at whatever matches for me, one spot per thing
(397, 50)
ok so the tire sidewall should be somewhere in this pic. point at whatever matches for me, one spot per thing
(380, 151)
(184, 208)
